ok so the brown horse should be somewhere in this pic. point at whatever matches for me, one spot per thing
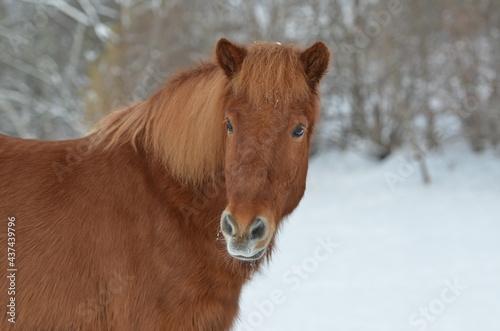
(156, 219)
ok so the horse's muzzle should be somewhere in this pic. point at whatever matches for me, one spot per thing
(245, 242)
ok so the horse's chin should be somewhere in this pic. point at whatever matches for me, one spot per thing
(254, 257)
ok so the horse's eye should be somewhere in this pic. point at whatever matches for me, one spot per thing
(229, 126)
(298, 131)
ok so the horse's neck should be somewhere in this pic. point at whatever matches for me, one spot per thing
(193, 211)
(196, 203)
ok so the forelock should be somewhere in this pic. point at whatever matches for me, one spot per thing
(272, 74)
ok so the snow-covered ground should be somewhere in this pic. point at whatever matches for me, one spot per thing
(372, 248)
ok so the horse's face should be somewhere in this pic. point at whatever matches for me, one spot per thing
(269, 128)
(266, 166)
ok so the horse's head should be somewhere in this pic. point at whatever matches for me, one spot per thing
(272, 109)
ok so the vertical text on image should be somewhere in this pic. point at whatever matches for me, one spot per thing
(11, 269)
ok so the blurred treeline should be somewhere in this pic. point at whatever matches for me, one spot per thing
(417, 72)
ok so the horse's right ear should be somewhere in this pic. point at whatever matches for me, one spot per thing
(230, 56)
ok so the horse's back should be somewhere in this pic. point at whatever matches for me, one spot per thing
(30, 163)
(16, 151)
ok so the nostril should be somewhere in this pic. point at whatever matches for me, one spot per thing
(258, 229)
(227, 226)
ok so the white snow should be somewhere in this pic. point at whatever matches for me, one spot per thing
(410, 257)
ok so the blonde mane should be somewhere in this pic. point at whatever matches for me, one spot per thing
(182, 124)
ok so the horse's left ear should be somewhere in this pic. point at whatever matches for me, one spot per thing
(230, 56)
(315, 60)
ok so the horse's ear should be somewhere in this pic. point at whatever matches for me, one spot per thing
(315, 60)
(230, 56)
